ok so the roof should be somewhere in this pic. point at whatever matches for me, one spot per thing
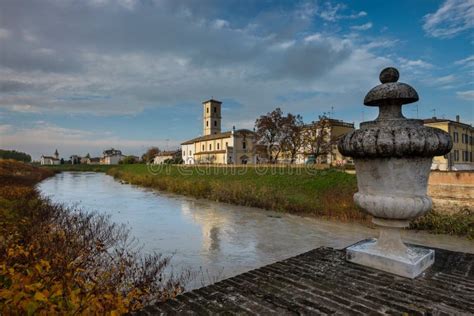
(212, 100)
(168, 153)
(437, 120)
(49, 157)
(216, 136)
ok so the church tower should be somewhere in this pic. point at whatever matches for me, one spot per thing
(56, 154)
(211, 117)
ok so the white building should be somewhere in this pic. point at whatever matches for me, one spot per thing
(111, 157)
(51, 160)
(163, 156)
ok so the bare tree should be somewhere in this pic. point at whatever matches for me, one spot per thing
(150, 154)
(317, 138)
(293, 139)
(270, 133)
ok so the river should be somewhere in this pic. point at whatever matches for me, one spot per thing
(219, 239)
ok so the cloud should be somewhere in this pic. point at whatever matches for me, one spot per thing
(363, 27)
(466, 95)
(123, 57)
(413, 65)
(452, 18)
(331, 12)
(44, 138)
(467, 62)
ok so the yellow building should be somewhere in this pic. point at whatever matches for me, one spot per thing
(461, 156)
(216, 147)
(331, 130)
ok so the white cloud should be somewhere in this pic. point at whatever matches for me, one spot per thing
(466, 95)
(467, 62)
(44, 138)
(452, 18)
(414, 64)
(363, 27)
(331, 13)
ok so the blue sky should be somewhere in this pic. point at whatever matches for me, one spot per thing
(84, 76)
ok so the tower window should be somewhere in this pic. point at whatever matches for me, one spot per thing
(215, 110)
(226, 144)
(210, 146)
(207, 110)
(202, 147)
(217, 146)
(207, 123)
(215, 123)
(244, 145)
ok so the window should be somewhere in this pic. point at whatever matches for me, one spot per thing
(215, 123)
(207, 110)
(215, 110)
(190, 153)
(455, 137)
(465, 155)
(217, 146)
(184, 152)
(202, 147)
(456, 155)
(470, 156)
(207, 123)
(244, 145)
(226, 144)
(210, 146)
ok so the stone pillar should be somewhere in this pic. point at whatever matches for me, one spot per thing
(392, 156)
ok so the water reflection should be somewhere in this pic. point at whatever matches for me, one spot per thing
(214, 237)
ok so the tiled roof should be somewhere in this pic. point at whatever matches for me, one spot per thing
(437, 120)
(216, 136)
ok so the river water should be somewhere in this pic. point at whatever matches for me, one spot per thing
(218, 239)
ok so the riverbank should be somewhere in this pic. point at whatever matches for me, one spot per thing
(56, 260)
(296, 190)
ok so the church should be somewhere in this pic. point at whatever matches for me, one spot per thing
(217, 147)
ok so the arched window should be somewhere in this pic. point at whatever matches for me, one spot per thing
(207, 123)
(217, 146)
(215, 123)
(207, 110)
(244, 145)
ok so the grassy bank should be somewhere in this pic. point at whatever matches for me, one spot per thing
(55, 260)
(323, 193)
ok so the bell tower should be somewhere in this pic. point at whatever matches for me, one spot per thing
(211, 117)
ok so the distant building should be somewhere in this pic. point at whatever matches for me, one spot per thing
(75, 160)
(331, 130)
(51, 160)
(111, 157)
(216, 147)
(163, 156)
(462, 134)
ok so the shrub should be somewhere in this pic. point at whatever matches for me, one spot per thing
(59, 260)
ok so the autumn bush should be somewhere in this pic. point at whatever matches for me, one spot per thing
(56, 260)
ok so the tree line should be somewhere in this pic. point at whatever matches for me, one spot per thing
(288, 135)
(15, 155)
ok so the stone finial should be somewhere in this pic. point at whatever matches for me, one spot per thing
(392, 156)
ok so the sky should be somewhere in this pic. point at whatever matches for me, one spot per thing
(83, 76)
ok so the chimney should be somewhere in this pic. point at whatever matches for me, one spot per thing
(457, 118)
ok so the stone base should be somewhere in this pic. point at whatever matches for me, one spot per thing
(410, 265)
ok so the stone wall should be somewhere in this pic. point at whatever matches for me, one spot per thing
(452, 191)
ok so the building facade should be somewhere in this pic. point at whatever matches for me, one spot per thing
(164, 156)
(51, 160)
(216, 147)
(320, 144)
(111, 157)
(462, 135)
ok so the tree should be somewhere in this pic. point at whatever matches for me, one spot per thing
(150, 154)
(270, 133)
(15, 155)
(317, 138)
(128, 160)
(293, 139)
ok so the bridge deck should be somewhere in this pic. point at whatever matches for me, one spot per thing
(322, 282)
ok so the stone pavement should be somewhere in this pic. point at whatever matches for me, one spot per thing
(322, 282)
